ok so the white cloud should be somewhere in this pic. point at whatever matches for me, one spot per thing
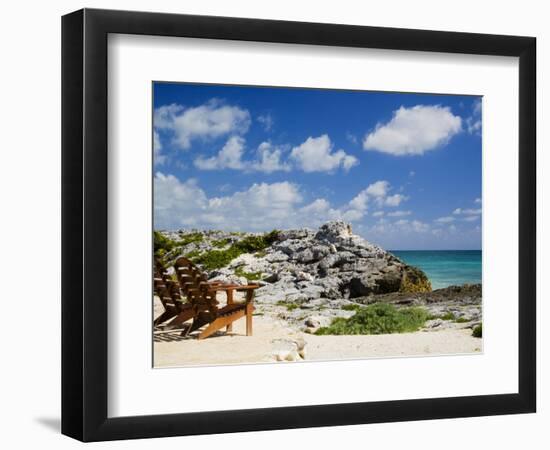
(379, 189)
(158, 157)
(413, 131)
(378, 214)
(412, 173)
(310, 156)
(471, 218)
(360, 201)
(269, 159)
(477, 107)
(377, 192)
(473, 123)
(446, 219)
(229, 157)
(478, 201)
(395, 200)
(420, 227)
(316, 155)
(399, 213)
(207, 121)
(177, 204)
(467, 211)
(163, 117)
(473, 126)
(262, 206)
(266, 120)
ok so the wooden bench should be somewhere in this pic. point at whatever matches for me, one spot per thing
(201, 294)
(168, 291)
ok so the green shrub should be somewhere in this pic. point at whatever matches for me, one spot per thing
(290, 306)
(250, 276)
(351, 307)
(220, 243)
(461, 320)
(189, 238)
(448, 316)
(252, 244)
(379, 318)
(477, 331)
(161, 244)
(193, 254)
(216, 259)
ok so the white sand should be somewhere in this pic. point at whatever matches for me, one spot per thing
(170, 349)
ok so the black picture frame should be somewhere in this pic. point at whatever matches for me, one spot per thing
(84, 224)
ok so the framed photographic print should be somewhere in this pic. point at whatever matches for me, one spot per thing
(273, 224)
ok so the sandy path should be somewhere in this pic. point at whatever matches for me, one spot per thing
(170, 349)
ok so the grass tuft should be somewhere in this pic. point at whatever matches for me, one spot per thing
(250, 276)
(477, 331)
(351, 307)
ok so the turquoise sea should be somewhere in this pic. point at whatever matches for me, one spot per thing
(445, 267)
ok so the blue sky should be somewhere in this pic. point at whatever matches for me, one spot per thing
(403, 169)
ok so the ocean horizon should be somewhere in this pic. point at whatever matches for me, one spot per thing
(445, 267)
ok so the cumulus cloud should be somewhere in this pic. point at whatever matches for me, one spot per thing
(262, 206)
(316, 155)
(467, 211)
(376, 193)
(183, 204)
(413, 131)
(399, 213)
(269, 159)
(395, 200)
(378, 189)
(158, 157)
(473, 123)
(229, 157)
(311, 156)
(384, 228)
(266, 120)
(446, 219)
(208, 121)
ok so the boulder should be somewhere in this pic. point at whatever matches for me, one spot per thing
(333, 231)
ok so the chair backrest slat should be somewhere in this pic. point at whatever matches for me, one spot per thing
(193, 284)
(167, 289)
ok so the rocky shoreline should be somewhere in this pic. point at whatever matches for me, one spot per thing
(309, 277)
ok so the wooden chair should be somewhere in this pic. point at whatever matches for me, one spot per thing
(202, 295)
(168, 291)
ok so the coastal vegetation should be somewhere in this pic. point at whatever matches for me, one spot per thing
(379, 318)
(325, 281)
(163, 244)
(216, 259)
(477, 331)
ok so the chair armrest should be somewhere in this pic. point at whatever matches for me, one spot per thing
(247, 287)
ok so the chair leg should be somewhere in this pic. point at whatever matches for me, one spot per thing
(229, 293)
(249, 311)
(221, 322)
(183, 316)
(163, 317)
